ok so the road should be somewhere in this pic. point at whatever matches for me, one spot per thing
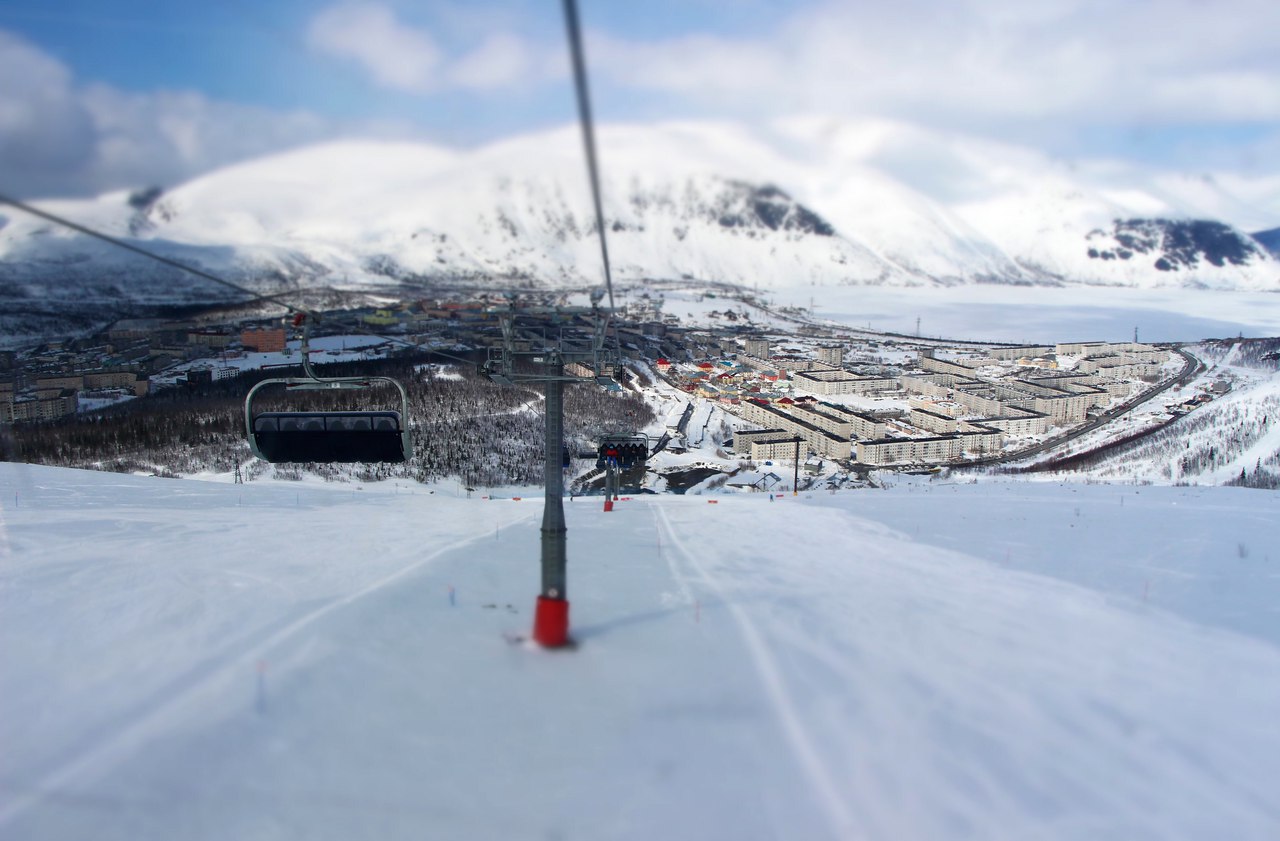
(1192, 368)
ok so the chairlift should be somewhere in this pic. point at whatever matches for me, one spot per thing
(624, 451)
(380, 436)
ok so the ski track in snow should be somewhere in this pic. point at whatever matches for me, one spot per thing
(187, 699)
(939, 662)
(799, 738)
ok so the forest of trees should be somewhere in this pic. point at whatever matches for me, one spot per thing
(462, 426)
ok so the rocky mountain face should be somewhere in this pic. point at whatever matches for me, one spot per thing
(1174, 245)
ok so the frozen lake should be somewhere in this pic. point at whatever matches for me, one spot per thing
(1045, 315)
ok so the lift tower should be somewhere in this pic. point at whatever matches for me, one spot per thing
(566, 346)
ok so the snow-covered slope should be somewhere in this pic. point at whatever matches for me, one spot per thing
(1024, 217)
(1235, 438)
(1270, 240)
(810, 202)
(194, 660)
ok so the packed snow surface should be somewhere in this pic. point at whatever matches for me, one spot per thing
(189, 659)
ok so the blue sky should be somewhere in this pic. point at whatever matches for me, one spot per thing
(102, 94)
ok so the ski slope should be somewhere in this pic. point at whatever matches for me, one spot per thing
(187, 659)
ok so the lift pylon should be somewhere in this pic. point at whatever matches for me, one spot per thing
(579, 344)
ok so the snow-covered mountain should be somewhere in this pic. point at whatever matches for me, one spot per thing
(1270, 240)
(811, 202)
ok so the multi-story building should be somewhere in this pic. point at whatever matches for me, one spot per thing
(265, 340)
(774, 417)
(831, 355)
(842, 382)
(861, 425)
(213, 339)
(934, 422)
(110, 379)
(1018, 422)
(744, 438)
(1009, 354)
(769, 449)
(43, 408)
(910, 450)
(929, 385)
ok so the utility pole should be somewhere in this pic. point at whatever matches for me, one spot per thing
(795, 479)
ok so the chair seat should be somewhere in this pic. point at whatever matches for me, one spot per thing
(322, 437)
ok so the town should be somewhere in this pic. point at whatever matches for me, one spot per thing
(791, 387)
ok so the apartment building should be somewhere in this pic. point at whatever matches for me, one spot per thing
(910, 450)
(1009, 354)
(744, 438)
(773, 417)
(833, 355)
(1120, 365)
(860, 425)
(1018, 422)
(979, 438)
(842, 382)
(269, 340)
(43, 408)
(929, 385)
(1080, 348)
(770, 449)
(824, 420)
(963, 366)
(934, 422)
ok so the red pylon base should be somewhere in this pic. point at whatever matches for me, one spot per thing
(551, 622)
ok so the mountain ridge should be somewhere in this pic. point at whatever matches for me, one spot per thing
(825, 204)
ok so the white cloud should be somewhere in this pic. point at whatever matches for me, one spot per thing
(398, 56)
(167, 137)
(43, 125)
(57, 138)
(958, 63)
(501, 61)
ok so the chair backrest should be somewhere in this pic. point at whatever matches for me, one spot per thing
(329, 437)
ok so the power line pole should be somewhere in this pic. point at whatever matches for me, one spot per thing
(795, 479)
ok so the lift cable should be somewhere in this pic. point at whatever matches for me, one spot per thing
(588, 130)
(253, 296)
(119, 243)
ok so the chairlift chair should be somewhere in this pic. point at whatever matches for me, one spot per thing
(328, 437)
(626, 451)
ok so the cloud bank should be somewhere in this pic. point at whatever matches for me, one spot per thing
(1179, 84)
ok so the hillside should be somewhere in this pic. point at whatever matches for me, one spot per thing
(1270, 240)
(206, 660)
(1234, 439)
(809, 204)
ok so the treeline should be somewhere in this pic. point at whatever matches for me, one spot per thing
(462, 427)
(1262, 354)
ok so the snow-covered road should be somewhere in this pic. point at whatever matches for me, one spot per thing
(198, 660)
